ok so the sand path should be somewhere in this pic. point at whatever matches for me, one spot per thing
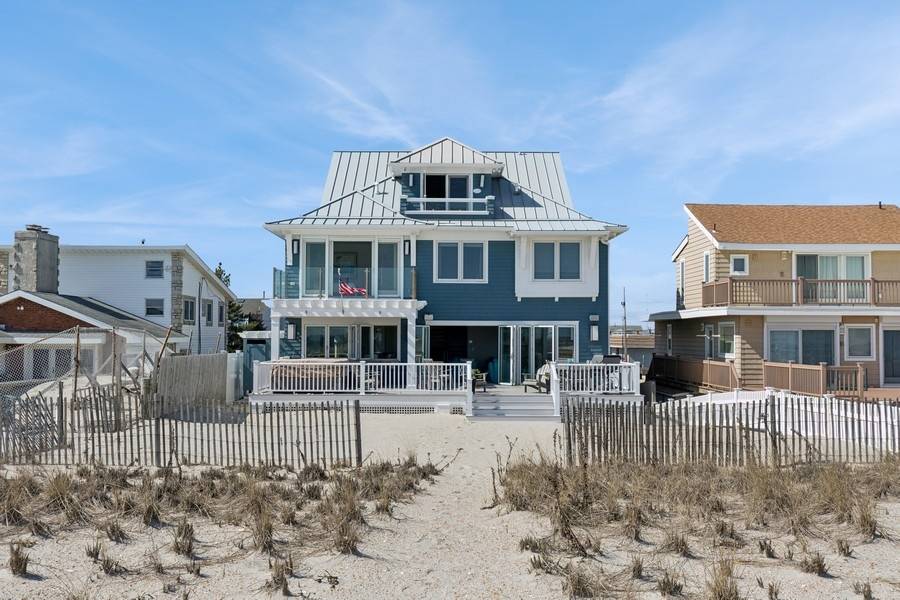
(444, 544)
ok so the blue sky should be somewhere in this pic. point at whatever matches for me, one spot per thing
(197, 122)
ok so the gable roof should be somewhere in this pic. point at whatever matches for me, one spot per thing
(91, 311)
(531, 195)
(798, 223)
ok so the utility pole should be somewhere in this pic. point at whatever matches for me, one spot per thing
(624, 325)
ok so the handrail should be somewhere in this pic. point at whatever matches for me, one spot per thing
(344, 377)
(800, 291)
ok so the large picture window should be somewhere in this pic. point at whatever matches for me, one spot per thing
(805, 346)
(461, 262)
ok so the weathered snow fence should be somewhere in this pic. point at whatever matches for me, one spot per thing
(780, 430)
(113, 427)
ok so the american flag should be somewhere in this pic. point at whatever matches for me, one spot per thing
(345, 289)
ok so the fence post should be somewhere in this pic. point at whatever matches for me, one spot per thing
(255, 376)
(60, 417)
(636, 378)
(860, 378)
(358, 432)
(791, 375)
(470, 389)
(157, 433)
(362, 378)
(773, 426)
(568, 427)
(554, 388)
(823, 378)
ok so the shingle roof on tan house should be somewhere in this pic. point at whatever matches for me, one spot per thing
(799, 224)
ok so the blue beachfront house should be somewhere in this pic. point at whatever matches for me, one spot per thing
(444, 254)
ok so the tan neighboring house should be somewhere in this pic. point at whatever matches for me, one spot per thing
(803, 297)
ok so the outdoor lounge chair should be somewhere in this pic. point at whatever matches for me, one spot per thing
(540, 382)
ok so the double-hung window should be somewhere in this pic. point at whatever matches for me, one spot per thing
(208, 311)
(556, 261)
(461, 262)
(190, 311)
(153, 269)
(706, 269)
(221, 313)
(726, 340)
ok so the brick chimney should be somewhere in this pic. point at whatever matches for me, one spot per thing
(35, 260)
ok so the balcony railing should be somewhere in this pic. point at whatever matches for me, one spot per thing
(358, 282)
(795, 292)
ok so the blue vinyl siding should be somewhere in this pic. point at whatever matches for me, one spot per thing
(496, 300)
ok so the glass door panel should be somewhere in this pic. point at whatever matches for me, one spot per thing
(314, 269)
(525, 371)
(565, 344)
(388, 272)
(808, 268)
(856, 273)
(828, 273)
(543, 347)
(505, 355)
(315, 342)
(365, 341)
(339, 341)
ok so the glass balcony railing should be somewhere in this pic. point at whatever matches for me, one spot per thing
(358, 282)
(278, 290)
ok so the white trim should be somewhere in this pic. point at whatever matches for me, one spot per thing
(885, 326)
(732, 271)
(813, 248)
(800, 327)
(702, 227)
(460, 244)
(556, 261)
(805, 310)
(681, 245)
(869, 358)
(734, 335)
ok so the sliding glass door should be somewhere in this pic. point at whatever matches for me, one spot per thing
(505, 354)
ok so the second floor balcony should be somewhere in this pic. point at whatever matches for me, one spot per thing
(741, 291)
(347, 282)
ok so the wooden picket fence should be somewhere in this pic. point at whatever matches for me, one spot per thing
(104, 425)
(780, 430)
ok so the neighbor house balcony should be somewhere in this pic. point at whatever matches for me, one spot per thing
(740, 291)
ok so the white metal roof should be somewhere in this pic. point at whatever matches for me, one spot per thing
(531, 194)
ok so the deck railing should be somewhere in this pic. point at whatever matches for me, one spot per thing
(622, 378)
(342, 377)
(820, 379)
(703, 373)
(791, 292)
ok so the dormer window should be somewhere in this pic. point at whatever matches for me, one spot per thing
(447, 186)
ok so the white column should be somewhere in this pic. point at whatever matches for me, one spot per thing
(411, 351)
(275, 338)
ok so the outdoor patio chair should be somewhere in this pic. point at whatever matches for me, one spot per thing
(479, 377)
(540, 382)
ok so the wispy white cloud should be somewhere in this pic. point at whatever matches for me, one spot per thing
(75, 151)
(736, 88)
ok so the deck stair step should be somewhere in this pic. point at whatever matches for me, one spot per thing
(506, 406)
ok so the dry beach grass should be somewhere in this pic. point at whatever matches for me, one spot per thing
(627, 530)
(98, 532)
